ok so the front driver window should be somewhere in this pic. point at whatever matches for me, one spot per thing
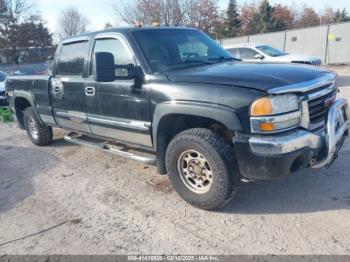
(122, 55)
(247, 53)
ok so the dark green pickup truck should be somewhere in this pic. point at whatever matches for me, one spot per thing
(174, 98)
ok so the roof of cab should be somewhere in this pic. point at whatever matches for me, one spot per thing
(122, 30)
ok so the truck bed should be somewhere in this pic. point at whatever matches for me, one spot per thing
(35, 87)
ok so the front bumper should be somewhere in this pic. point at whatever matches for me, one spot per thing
(273, 157)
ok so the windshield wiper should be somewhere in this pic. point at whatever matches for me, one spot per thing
(191, 61)
(222, 58)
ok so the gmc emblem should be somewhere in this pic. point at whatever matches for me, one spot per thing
(329, 101)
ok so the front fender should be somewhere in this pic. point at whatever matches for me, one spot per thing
(225, 115)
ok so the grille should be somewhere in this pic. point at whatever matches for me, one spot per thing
(318, 109)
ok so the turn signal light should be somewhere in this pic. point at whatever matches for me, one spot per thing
(261, 107)
(267, 127)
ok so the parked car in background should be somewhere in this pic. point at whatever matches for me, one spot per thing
(265, 53)
(3, 100)
(30, 69)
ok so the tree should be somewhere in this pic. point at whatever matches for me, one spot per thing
(341, 16)
(71, 22)
(282, 17)
(202, 14)
(309, 17)
(248, 18)
(172, 12)
(167, 12)
(13, 13)
(344, 15)
(265, 17)
(34, 34)
(233, 23)
(327, 16)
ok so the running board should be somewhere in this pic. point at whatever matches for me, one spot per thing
(109, 148)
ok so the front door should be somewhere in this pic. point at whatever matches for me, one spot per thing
(119, 109)
(68, 87)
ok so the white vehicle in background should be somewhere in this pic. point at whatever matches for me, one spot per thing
(268, 54)
(3, 101)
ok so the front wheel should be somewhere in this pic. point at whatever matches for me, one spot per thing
(40, 134)
(201, 168)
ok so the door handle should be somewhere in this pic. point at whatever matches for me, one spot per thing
(57, 89)
(90, 91)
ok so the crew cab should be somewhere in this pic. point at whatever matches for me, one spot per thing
(173, 97)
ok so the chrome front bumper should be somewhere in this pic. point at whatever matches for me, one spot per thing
(338, 126)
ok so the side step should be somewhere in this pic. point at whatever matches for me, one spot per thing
(115, 148)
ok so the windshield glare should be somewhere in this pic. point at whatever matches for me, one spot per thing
(270, 51)
(171, 49)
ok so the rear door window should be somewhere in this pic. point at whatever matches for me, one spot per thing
(71, 59)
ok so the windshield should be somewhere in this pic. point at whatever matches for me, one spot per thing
(2, 77)
(172, 49)
(270, 51)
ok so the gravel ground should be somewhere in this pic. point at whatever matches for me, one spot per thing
(86, 202)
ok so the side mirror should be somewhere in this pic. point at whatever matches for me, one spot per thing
(259, 56)
(108, 71)
(105, 67)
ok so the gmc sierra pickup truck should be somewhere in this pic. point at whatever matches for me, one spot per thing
(174, 98)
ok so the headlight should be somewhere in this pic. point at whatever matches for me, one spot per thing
(272, 114)
(267, 106)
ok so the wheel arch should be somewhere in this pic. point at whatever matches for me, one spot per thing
(23, 100)
(172, 118)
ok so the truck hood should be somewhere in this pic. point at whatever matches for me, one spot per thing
(249, 75)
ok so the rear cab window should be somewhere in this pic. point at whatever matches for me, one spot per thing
(71, 58)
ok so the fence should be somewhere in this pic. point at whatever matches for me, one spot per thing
(331, 43)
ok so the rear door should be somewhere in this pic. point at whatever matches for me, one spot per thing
(68, 86)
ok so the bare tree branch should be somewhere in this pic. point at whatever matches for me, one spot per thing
(72, 22)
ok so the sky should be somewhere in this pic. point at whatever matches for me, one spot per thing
(99, 12)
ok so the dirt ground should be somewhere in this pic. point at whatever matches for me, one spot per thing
(74, 200)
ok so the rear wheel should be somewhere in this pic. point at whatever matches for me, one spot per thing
(40, 134)
(201, 168)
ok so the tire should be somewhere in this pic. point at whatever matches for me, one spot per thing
(40, 134)
(216, 162)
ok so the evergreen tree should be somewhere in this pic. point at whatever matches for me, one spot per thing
(344, 15)
(341, 16)
(233, 23)
(265, 20)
